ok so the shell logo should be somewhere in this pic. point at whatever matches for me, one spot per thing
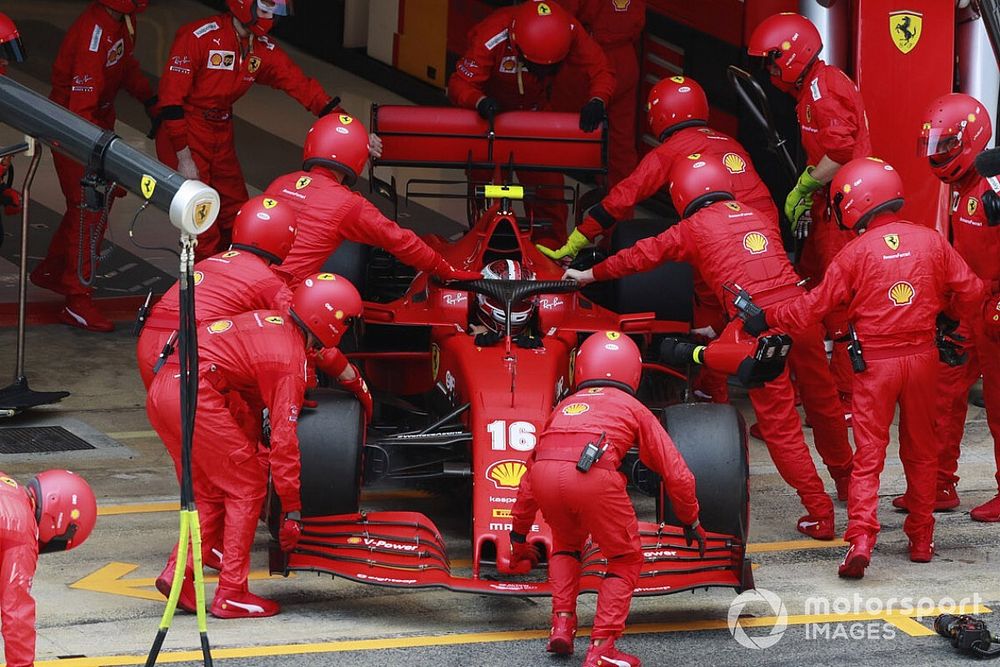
(74, 514)
(269, 203)
(274, 319)
(734, 163)
(198, 277)
(506, 474)
(574, 409)
(902, 293)
(354, 540)
(785, 45)
(339, 314)
(755, 243)
(972, 118)
(219, 326)
(847, 188)
(215, 59)
(613, 335)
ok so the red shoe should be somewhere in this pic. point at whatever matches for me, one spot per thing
(213, 559)
(988, 511)
(237, 603)
(857, 557)
(816, 528)
(187, 600)
(755, 431)
(80, 311)
(608, 655)
(921, 550)
(946, 499)
(562, 634)
(46, 280)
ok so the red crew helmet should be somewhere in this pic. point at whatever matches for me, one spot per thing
(608, 358)
(491, 312)
(126, 6)
(265, 227)
(675, 103)
(862, 189)
(325, 305)
(337, 141)
(697, 181)
(956, 128)
(542, 32)
(65, 510)
(790, 43)
(11, 47)
(258, 18)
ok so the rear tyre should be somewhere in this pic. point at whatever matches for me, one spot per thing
(331, 444)
(712, 440)
(667, 290)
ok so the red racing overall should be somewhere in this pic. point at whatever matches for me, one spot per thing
(596, 503)
(18, 558)
(894, 280)
(728, 242)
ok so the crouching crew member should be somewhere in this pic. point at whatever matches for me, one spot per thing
(261, 356)
(594, 502)
(894, 280)
(56, 511)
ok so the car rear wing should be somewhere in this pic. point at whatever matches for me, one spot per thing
(450, 138)
(405, 550)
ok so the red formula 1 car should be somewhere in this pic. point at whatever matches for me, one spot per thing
(447, 407)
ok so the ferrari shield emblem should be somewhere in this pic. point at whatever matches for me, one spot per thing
(302, 182)
(972, 206)
(201, 213)
(891, 240)
(274, 319)
(198, 277)
(435, 360)
(269, 203)
(613, 335)
(905, 28)
(621, 5)
(253, 64)
(544, 9)
(147, 185)
(732, 206)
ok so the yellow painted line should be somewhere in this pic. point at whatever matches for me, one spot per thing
(903, 622)
(794, 545)
(110, 579)
(132, 435)
(140, 508)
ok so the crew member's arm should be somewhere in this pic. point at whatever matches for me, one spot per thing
(587, 54)
(658, 453)
(183, 64)
(18, 626)
(967, 290)
(467, 84)
(802, 312)
(88, 77)
(283, 394)
(646, 254)
(281, 72)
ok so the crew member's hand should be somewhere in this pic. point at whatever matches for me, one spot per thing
(11, 201)
(576, 242)
(447, 272)
(757, 324)
(695, 533)
(592, 114)
(488, 108)
(523, 556)
(185, 164)
(290, 531)
(582, 277)
(374, 146)
(352, 381)
(800, 199)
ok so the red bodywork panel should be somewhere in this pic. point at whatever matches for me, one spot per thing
(511, 391)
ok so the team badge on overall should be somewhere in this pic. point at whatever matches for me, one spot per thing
(253, 64)
(891, 240)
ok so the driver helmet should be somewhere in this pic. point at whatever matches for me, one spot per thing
(491, 311)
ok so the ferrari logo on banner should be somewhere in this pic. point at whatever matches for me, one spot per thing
(253, 64)
(147, 185)
(891, 240)
(905, 28)
(302, 182)
(971, 206)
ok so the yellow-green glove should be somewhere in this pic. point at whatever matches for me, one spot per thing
(574, 244)
(800, 199)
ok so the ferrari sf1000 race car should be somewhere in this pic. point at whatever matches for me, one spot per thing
(449, 405)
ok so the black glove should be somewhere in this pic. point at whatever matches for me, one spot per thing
(527, 341)
(592, 114)
(949, 344)
(487, 339)
(488, 108)
(991, 207)
(695, 533)
(677, 352)
(756, 324)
